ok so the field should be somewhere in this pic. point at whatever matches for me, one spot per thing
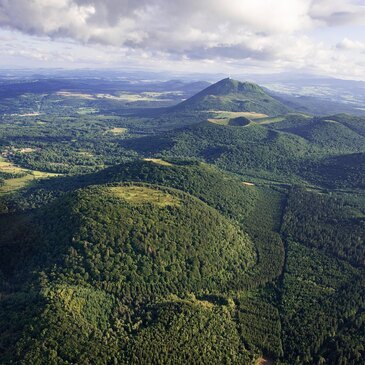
(25, 178)
(131, 97)
(270, 120)
(68, 94)
(142, 194)
(219, 121)
(8, 167)
(223, 117)
(246, 183)
(220, 114)
(85, 111)
(158, 161)
(117, 131)
(121, 96)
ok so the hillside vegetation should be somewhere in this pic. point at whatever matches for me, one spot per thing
(226, 229)
(235, 96)
(138, 252)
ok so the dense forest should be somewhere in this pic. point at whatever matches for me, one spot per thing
(139, 231)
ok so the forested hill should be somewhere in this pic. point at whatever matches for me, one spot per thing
(141, 255)
(219, 232)
(232, 95)
(131, 267)
(291, 148)
(123, 259)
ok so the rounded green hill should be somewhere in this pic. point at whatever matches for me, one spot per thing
(158, 240)
(120, 262)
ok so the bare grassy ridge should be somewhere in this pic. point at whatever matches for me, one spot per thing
(143, 194)
(158, 161)
(224, 117)
(226, 114)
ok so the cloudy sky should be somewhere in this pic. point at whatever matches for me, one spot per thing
(235, 36)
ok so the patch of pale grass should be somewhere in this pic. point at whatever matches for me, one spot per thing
(142, 194)
(158, 161)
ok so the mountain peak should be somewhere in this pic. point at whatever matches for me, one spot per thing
(233, 95)
(230, 86)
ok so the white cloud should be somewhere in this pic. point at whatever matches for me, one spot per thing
(160, 24)
(274, 33)
(338, 12)
(351, 45)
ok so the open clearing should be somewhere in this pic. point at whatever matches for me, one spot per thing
(280, 118)
(85, 153)
(16, 183)
(331, 121)
(117, 131)
(8, 167)
(122, 96)
(263, 361)
(246, 183)
(219, 114)
(223, 117)
(26, 115)
(131, 97)
(270, 120)
(86, 110)
(143, 194)
(219, 121)
(11, 185)
(24, 150)
(158, 161)
(75, 95)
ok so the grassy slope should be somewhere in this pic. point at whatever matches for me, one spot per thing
(18, 177)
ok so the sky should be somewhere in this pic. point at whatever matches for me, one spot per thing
(324, 37)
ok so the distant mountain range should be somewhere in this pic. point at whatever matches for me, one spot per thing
(302, 92)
